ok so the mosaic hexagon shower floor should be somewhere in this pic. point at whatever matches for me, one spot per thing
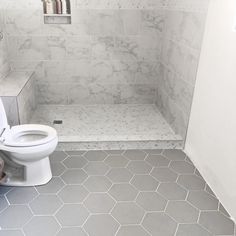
(116, 193)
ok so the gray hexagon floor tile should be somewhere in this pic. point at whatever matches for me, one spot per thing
(97, 184)
(139, 167)
(208, 189)
(99, 203)
(123, 192)
(72, 215)
(38, 224)
(71, 231)
(223, 210)
(94, 226)
(11, 233)
(182, 212)
(21, 195)
(135, 154)
(96, 168)
(182, 167)
(144, 182)
(58, 156)
(132, 230)
(153, 151)
(172, 191)
(75, 162)
(73, 194)
(157, 160)
(53, 186)
(164, 174)
(174, 155)
(45, 204)
(127, 213)
(75, 153)
(216, 223)
(95, 155)
(15, 216)
(74, 176)
(151, 201)
(57, 168)
(3, 203)
(191, 229)
(5, 189)
(116, 161)
(203, 200)
(114, 152)
(119, 175)
(159, 224)
(191, 182)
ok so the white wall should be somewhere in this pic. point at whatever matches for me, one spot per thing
(211, 138)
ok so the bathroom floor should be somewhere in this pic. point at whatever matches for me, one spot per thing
(116, 193)
(126, 122)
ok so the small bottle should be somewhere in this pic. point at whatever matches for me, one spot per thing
(49, 7)
(58, 7)
(65, 7)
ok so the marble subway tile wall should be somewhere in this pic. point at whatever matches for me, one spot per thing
(4, 63)
(109, 54)
(182, 39)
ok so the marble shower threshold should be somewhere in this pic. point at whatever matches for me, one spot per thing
(108, 126)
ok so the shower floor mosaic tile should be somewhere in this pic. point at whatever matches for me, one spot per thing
(126, 122)
(116, 193)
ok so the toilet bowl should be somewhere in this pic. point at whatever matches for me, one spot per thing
(27, 146)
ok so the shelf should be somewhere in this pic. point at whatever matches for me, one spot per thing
(57, 19)
(57, 15)
(54, 18)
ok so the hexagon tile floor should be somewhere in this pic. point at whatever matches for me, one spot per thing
(116, 193)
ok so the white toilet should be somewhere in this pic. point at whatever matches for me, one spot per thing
(27, 146)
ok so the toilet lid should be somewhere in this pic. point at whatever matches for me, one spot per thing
(3, 118)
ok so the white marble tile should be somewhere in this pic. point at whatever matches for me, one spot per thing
(185, 27)
(131, 21)
(49, 93)
(102, 47)
(177, 119)
(23, 48)
(69, 71)
(24, 22)
(57, 47)
(177, 89)
(105, 22)
(13, 83)
(137, 48)
(10, 105)
(4, 58)
(26, 101)
(78, 48)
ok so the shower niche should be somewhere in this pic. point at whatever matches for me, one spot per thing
(57, 11)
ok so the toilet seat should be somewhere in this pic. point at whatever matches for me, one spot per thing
(28, 135)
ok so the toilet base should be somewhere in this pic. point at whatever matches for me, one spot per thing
(35, 173)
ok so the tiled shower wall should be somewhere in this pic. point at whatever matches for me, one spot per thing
(182, 39)
(115, 51)
(109, 54)
(4, 63)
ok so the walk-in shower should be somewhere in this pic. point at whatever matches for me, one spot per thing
(117, 74)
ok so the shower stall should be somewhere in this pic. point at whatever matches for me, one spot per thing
(118, 74)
